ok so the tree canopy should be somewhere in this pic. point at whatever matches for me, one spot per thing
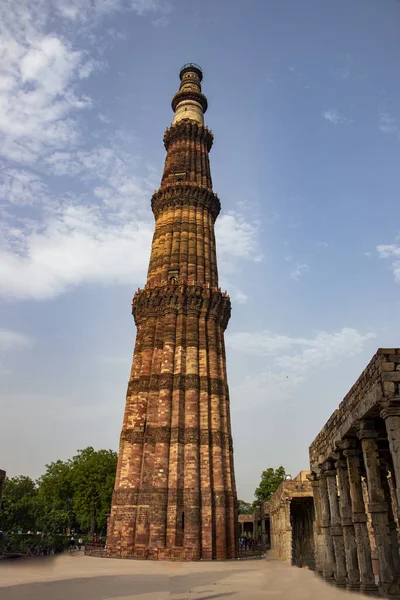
(18, 506)
(72, 494)
(244, 508)
(270, 481)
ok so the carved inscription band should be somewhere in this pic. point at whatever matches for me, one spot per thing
(180, 496)
(177, 435)
(179, 381)
(185, 192)
(182, 298)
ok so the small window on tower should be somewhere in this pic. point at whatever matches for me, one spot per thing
(173, 277)
(180, 176)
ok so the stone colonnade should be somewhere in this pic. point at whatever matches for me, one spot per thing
(360, 446)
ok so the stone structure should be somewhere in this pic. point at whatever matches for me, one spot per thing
(291, 515)
(247, 526)
(175, 495)
(361, 442)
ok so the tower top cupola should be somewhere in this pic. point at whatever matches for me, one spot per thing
(190, 102)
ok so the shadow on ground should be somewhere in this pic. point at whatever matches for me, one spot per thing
(117, 586)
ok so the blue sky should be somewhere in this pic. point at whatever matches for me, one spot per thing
(304, 106)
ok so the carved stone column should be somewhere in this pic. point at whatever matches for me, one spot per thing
(329, 568)
(263, 532)
(367, 580)
(336, 525)
(392, 523)
(319, 542)
(391, 415)
(378, 509)
(350, 545)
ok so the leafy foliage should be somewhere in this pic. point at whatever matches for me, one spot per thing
(244, 508)
(71, 494)
(18, 504)
(270, 481)
(92, 478)
(56, 499)
(33, 544)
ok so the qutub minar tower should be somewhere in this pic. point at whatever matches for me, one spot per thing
(175, 493)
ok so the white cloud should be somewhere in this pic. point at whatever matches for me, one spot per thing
(290, 361)
(78, 246)
(299, 271)
(21, 187)
(333, 116)
(9, 340)
(237, 237)
(99, 232)
(387, 123)
(391, 251)
(40, 68)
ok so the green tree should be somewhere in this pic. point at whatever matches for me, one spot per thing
(92, 479)
(244, 508)
(19, 504)
(56, 498)
(270, 481)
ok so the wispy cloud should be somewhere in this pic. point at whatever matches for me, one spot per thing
(333, 116)
(290, 361)
(299, 271)
(391, 251)
(10, 341)
(344, 71)
(100, 232)
(388, 123)
(237, 241)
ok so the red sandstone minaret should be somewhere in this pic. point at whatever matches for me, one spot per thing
(175, 494)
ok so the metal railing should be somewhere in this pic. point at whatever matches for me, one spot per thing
(187, 65)
(95, 550)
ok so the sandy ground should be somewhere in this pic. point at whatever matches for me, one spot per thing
(75, 576)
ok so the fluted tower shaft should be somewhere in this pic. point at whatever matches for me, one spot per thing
(175, 494)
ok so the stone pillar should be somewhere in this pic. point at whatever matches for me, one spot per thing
(350, 546)
(263, 532)
(391, 415)
(329, 556)
(336, 525)
(392, 523)
(367, 580)
(318, 531)
(378, 508)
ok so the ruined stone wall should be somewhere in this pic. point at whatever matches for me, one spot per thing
(283, 527)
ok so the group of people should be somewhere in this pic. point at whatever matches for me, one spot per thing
(73, 545)
(246, 543)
